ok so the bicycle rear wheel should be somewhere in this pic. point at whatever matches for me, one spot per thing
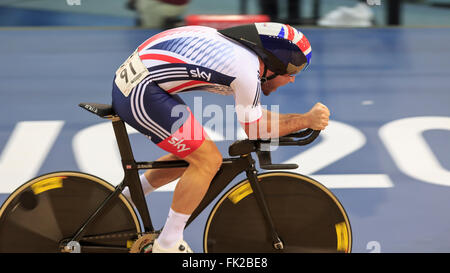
(48, 210)
(307, 217)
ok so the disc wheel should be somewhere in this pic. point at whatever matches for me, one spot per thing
(307, 217)
(44, 213)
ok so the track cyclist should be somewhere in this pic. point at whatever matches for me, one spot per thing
(244, 61)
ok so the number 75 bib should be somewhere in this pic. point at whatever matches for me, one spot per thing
(130, 73)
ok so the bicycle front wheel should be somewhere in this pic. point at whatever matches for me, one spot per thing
(47, 211)
(307, 217)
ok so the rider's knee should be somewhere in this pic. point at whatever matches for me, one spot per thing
(207, 157)
(215, 161)
(211, 160)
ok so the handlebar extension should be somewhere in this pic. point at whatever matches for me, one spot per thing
(265, 162)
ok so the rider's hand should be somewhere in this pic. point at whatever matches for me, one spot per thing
(318, 117)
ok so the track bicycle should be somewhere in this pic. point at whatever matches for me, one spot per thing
(276, 211)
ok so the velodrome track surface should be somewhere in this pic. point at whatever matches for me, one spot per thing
(386, 153)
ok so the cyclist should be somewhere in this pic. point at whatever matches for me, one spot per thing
(243, 61)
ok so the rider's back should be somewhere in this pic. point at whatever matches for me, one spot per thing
(200, 58)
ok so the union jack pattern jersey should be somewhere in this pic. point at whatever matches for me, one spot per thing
(200, 58)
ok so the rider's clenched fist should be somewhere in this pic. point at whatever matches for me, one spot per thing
(318, 117)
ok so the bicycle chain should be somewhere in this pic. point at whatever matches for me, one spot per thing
(115, 235)
(143, 239)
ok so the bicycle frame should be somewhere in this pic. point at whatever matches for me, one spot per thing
(230, 168)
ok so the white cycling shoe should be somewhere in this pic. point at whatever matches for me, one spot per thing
(180, 247)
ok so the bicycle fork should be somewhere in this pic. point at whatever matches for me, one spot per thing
(252, 176)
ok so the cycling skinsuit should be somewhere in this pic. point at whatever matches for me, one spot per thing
(179, 60)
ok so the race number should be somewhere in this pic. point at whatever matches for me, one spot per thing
(130, 73)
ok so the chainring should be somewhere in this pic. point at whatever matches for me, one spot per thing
(144, 243)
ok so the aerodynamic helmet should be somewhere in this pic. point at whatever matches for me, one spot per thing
(282, 48)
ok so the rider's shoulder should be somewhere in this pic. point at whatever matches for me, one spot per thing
(246, 62)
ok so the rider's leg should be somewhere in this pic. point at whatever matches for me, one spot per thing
(155, 178)
(203, 165)
(190, 190)
(160, 177)
(167, 121)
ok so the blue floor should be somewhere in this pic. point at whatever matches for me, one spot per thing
(387, 89)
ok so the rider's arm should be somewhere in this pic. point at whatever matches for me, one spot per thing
(273, 125)
(260, 123)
